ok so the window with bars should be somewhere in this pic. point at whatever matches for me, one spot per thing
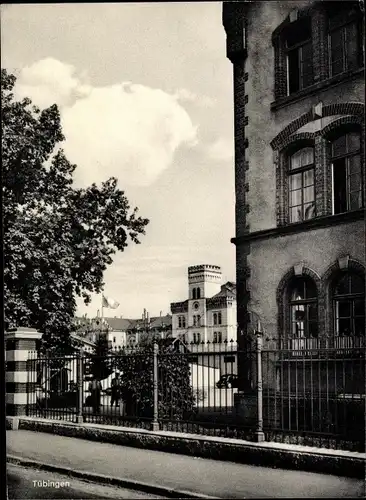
(303, 304)
(299, 51)
(301, 185)
(344, 37)
(347, 173)
(349, 305)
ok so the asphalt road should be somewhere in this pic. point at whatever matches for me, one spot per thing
(20, 481)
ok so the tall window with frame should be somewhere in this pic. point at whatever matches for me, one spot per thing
(344, 37)
(301, 185)
(347, 172)
(349, 308)
(303, 305)
(299, 50)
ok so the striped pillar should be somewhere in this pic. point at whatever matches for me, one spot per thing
(19, 381)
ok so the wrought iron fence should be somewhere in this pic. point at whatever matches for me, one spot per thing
(311, 395)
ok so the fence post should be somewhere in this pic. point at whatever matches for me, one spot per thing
(155, 421)
(259, 432)
(79, 360)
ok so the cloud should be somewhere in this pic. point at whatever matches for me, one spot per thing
(50, 81)
(125, 130)
(221, 150)
(189, 96)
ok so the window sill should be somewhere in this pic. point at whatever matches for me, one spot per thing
(315, 88)
(299, 227)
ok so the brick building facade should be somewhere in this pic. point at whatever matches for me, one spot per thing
(298, 74)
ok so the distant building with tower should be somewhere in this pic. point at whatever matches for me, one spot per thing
(209, 313)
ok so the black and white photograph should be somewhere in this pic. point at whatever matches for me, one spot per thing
(184, 249)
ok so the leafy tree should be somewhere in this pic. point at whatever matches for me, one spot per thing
(175, 393)
(58, 239)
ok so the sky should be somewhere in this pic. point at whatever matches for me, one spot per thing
(145, 95)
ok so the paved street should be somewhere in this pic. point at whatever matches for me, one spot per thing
(21, 486)
(209, 477)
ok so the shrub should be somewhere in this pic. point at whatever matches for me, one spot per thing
(175, 394)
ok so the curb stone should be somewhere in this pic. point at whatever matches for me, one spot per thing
(268, 454)
(108, 480)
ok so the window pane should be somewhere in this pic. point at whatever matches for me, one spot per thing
(295, 198)
(339, 146)
(344, 309)
(355, 200)
(337, 52)
(309, 211)
(310, 289)
(308, 194)
(343, 286)
(307, 65)
(298, 291)
(293, 71)
(299, 32)
(354, 164)
(355, 183)
(353, 142)
(357, 284)
(339, 186)
(295, 214)
(307, 156)
(295, 160)
(344, 326)
(309, 177)
(359, 326)
(295, 181)
(351, 46)
(359, 305)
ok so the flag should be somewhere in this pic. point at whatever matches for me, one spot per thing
(108, 302)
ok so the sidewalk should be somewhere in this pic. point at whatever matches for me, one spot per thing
(208, 477)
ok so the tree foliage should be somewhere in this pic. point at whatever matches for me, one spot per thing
(175, 393)
(58, 239)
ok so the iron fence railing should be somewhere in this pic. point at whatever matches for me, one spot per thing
(311, 394)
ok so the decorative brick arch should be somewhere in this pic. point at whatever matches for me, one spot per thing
(344, 120)
(342, 108)
(299, 137)
(333, 270)
(330, 275)
(282, 298)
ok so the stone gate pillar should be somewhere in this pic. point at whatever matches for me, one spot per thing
(18, 343)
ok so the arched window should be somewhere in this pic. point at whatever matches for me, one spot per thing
(346, 172)
(215, 318)
(219, 318)
(303, 305)
(198, 320)
(349, 305)
(301, 185)
(198, 293)
(194, 320)
(194, 293)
